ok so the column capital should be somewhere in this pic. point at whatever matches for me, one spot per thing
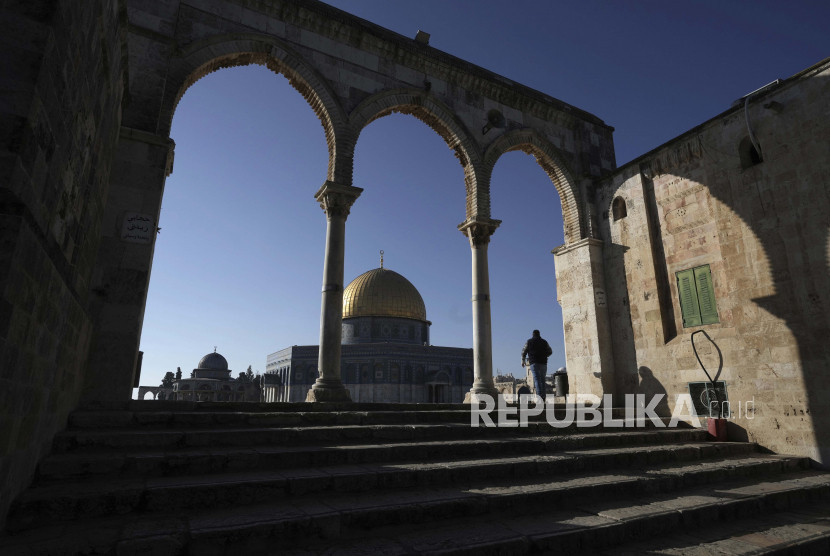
(336, 199)
(479, 230)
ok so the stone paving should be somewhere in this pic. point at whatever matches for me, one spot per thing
(291, 479)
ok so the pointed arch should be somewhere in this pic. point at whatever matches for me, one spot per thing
(441, 119)
(548, 157)
(204, 57)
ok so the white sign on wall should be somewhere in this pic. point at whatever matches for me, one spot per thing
(138, 228)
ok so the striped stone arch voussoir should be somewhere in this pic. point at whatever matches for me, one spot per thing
(204, 57)
(547, 156)
(441, 119)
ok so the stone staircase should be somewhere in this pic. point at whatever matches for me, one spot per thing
(185, 478)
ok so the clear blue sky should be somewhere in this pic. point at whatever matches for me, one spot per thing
(238, 264)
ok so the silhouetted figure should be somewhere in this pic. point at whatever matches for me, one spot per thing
(537, 351)
(650, 386)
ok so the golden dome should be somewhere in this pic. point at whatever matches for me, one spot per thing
(383, 293)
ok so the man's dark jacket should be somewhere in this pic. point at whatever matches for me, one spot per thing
(537, 350)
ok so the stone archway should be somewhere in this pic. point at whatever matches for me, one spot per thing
(580, 277)
(143, 391)
(317, 48)
(550, 159)
(209, 55)
(441, 120)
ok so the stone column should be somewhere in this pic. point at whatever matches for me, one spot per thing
(580, 285)
(336, 200)
(478, 231)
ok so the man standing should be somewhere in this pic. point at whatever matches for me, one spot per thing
(537, 351)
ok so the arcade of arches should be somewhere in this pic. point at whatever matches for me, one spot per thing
(85, 158)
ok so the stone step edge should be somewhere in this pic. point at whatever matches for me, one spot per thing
(184, 405)
(686, 519)
(708, 539)
(634, 535)
(143, 498)
(120, 439)
(83, 420)
(331, 523)
(150, 419)
(78, 463)
(138, 406)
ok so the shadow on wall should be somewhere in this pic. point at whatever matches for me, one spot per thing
(782, 201)
(650, 386)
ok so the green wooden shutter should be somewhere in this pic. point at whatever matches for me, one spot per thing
(706, 295)
(688, 298)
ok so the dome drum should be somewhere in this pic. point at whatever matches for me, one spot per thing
(211, 374)
(361, 330)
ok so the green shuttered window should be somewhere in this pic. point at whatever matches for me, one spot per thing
(697, 296)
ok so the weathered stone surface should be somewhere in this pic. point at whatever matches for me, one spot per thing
(760, 230)
(58, 138)
(316, 492)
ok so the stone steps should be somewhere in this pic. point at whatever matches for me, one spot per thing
(591, 526)
(804, 529)
(208, 419)
(116, 441)
(140, 415)
(586, 512)
(140, 461)
(130, 439)
(59, 500)
(420, 482)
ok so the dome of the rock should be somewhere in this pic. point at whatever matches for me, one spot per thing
(383, 293)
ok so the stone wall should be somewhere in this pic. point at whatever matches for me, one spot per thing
(366, 330)
(62, 87)
(763, 230)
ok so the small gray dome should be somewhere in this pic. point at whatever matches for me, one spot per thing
(213, 361)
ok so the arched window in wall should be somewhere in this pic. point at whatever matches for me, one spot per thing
(618, 209)
(750, 156)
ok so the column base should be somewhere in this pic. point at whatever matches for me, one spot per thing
(476, 396)
(320, 393)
